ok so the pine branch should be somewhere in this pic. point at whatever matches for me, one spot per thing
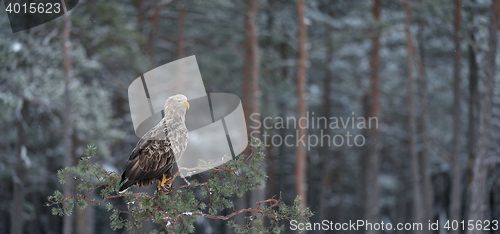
(178, 209)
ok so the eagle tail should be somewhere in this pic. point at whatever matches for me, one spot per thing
(126, 185)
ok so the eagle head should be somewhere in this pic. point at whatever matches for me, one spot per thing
(176, 106)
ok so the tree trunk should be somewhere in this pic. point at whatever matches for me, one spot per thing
(80, 221)
(372, 168)
(456, 191)
(473, 104)
(415, 170)
(84, 217)
(326, 160)
(16, 219)
(478, 188)
(495, 198)
(300, 170)
(338, 182)
(139, 15)
(428, 197)
(251, 87)
(85, 221)
(68, 157)
(251, 67)
(282, 107)
(180, 36)
(153, 33)
(180, 46)
(271, 182)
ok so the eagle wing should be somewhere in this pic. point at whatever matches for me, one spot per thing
(149, 160)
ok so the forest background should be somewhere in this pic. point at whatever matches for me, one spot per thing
(425, 69)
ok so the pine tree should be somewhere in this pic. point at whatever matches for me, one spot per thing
(178, 209)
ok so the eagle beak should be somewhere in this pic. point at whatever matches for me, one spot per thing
(185, 104)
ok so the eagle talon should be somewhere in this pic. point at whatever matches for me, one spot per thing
(165, 185)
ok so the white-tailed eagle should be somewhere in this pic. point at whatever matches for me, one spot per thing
(157, 151)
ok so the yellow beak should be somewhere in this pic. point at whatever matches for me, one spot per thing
(185, 104)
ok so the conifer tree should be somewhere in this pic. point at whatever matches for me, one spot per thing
(177, 210)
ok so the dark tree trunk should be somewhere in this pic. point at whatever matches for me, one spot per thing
(373, 162)
(180, 36)
(16, 219)
(139, 15)
(456, 191)
(338, 178)
(415, 168)
(34, 226)
(478, 188)
(271, 182)
(180, 46)
(428, 197)
(84, 217)
(282, 106)
(326, 161)
(473, 108)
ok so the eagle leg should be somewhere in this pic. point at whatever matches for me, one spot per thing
(159, 185)
(165, 183)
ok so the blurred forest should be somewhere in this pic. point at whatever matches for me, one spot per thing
(426, 69)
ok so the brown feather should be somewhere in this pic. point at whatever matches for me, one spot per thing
(148, 162)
